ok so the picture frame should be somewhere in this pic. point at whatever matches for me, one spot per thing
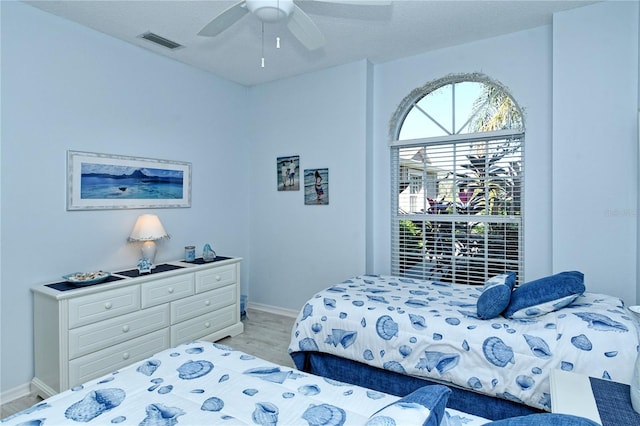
(316, 187)
(288, 173)
(104, 181)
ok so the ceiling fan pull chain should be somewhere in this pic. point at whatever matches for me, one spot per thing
(278, 38)
(262, 62)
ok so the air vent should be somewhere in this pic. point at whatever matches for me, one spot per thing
(155, 38)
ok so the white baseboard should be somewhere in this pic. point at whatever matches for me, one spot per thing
(15, 393)
(273, 309)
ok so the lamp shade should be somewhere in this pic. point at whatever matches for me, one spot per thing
(148, 228)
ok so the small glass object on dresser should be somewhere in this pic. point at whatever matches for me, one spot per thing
(635, 379)
(208, 255)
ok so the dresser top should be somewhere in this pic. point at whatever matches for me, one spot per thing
(61, 289)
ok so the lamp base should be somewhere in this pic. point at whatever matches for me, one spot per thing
(149, 251)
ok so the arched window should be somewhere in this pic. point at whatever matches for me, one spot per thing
(457, 178)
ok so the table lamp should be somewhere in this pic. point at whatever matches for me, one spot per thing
(148, 229)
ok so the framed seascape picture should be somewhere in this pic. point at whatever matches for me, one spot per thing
(288, 173)
(316, 186)
(104, 181)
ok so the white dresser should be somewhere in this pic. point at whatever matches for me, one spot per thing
(81, 333)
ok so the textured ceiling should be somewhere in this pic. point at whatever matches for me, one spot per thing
(379, 33)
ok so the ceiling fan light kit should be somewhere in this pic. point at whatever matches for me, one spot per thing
(270, 10)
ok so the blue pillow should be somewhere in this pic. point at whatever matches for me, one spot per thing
(495, 296)
(544, 419)
(424, 406)
(545, 295)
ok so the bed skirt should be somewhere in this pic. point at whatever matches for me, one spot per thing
(356, 373)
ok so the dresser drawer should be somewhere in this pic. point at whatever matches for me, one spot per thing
(166, 290)
(108, 360)
(215, 278)
(203, 303)
(203, 325)
(93, 337)
(101, 306)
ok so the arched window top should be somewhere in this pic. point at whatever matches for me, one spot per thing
(453, 105)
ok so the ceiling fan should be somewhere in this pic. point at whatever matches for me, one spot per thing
(298, 22)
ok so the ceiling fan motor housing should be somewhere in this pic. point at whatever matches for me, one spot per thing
(270, 10)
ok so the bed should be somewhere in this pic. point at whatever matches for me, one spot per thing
(204, 383)
(394, 335)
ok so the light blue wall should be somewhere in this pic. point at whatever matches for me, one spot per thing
(577, 82)
(595, 145)
(67, 87)
(520, 61)
(298, 249)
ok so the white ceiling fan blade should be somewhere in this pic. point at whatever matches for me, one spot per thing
(303, 28)
(224, 20)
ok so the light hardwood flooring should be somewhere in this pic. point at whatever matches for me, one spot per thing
(265, 335)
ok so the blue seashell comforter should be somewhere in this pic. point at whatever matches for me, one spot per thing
(203, 383)
(429, 329)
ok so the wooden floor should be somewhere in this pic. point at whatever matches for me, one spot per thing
(265, 335)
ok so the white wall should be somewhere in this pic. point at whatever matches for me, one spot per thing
(520, 61)
(298, 249)
(67, 87)
(595, 146)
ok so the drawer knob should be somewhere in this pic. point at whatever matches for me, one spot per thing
(108, 305)
(218, 277)
(125, 355)
(125, 328)
(207, 302)
(207, 324)
(170, 289)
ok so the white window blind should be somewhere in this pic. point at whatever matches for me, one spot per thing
(467, 224)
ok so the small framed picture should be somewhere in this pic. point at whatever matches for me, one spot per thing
(144, 266)
(316, 186)
(288, 173)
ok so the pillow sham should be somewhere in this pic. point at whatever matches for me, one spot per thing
(545, 295)
(424, 406)
(495, 296)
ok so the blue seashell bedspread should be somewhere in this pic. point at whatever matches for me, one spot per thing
(204, 383)
(430, 329)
